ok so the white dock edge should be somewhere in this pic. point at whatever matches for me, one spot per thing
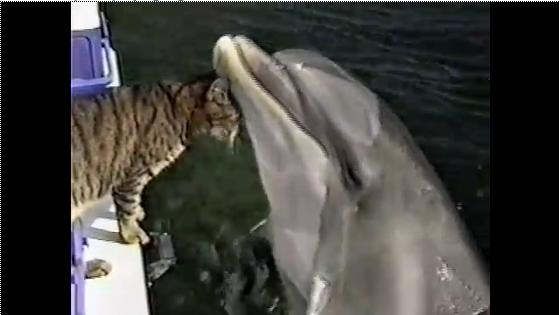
(124, 290)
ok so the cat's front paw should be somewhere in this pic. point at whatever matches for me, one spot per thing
(132, 233)
(97, 268)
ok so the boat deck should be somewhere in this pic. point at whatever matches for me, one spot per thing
(123, 291)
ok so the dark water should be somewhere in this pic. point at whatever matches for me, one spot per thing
(429, 62)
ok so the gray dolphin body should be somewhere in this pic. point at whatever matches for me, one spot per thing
(360, 222)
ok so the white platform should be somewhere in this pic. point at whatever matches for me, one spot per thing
(124, 290)
(85, 16)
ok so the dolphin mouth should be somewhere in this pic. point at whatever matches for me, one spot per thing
(246, 54)
(264, 73)
(253, 59)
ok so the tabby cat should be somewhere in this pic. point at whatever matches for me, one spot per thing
(122, 139)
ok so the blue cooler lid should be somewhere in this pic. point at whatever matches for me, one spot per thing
(88, 77)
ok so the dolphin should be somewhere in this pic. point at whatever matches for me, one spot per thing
(359, 223)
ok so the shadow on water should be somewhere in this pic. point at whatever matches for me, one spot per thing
(429, 62)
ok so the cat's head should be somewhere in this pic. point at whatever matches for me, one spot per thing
(217, 116)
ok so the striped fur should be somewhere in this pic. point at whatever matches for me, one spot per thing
(125, 137)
